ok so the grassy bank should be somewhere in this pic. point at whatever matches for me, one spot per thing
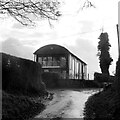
(20, 107)
(103, 105)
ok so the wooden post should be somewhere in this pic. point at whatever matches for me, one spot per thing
(88, 76)
(118, 41)
(118, 28)
(34, 58)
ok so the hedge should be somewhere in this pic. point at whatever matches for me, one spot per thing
(21, 75)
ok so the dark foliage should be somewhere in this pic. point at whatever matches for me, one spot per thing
(91, 84)
(21, 76)
(103, 105)
(101, 78)
(118, 68)
(103, 53)
(51, 79)
(117, 82)
(20, 107)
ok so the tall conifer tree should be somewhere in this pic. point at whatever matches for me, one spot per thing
(103, 53)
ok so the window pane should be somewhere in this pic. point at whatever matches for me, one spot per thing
(49, 61)
(44, 61)
(63, 62)
(64, 74)
(40, 60)
(56, 61)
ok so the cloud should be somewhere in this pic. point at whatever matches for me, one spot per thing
(14, 47)
(87, 26)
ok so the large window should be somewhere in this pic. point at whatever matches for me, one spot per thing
(52, 61)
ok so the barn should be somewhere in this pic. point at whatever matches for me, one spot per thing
(58, 59)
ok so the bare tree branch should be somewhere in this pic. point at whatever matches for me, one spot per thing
(25, 10)
(88, 4)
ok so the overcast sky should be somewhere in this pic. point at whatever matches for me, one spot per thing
(77, 30)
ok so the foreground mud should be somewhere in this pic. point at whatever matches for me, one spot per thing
(66, 104)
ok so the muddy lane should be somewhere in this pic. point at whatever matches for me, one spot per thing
(66, 104)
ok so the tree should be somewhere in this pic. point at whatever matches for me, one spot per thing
(25, 10)
(103, 53)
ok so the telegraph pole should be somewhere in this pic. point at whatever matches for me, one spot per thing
(118, 30)
(118, 40)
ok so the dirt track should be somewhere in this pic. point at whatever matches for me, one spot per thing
(66, 104)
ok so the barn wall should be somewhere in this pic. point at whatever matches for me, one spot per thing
(74, 68)
(52, 80)
(77, 83)
(77, 69)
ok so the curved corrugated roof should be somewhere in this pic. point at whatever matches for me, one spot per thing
(52, 49)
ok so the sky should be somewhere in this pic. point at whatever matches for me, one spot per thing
(77, 30)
